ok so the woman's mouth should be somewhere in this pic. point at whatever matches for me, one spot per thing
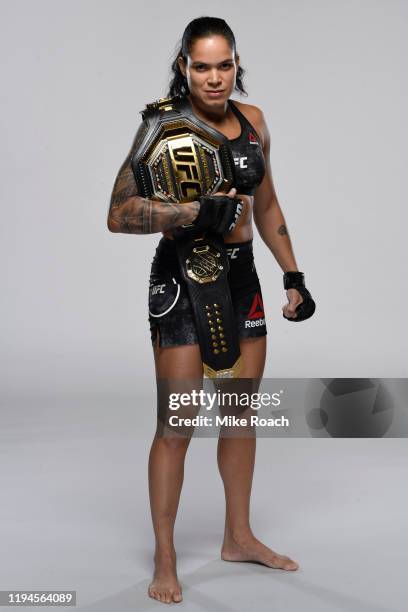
(215, 93)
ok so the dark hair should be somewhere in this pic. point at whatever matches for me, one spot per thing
(200, 28)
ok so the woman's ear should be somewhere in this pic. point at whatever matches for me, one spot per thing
(180, 62)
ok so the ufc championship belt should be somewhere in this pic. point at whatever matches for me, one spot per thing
(179, 158)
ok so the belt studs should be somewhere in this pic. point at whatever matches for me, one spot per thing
(217, 340)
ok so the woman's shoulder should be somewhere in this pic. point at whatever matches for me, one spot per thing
(254, 114)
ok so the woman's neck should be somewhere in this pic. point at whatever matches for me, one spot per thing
(215, 115)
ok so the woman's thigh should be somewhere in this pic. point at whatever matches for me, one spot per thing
(174, 362)
(185, 361)
(179, 370)
(253, 352)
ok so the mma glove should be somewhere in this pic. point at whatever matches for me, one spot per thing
(218, 213)
(296, 280)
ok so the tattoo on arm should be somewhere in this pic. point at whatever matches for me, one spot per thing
(130, 213)
(125, 185)
(282, 230)
(142, 216)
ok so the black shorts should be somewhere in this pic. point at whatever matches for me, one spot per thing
(170, 311)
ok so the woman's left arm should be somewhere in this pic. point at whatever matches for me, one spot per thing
(271, 223)
(268, 215)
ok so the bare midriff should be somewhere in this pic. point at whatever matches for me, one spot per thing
(243, 229)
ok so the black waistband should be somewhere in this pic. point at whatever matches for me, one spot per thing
(240, 256)
(169, 245)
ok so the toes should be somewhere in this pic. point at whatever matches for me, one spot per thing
(282, 562)
(153, 594)
(292, 566)
(165, 596)
(289, 564)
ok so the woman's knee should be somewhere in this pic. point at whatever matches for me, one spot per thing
(170, 442)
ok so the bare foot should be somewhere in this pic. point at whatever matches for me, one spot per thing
(165, 586)
(248, 548)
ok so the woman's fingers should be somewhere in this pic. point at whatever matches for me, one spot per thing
(289, 311)
(231, 193)
(295, 298)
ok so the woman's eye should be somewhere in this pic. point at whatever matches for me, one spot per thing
(201, 67)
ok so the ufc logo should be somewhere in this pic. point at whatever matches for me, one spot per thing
(186, 166)
(158, 289)
(240, 161)
(238, 211)
(232, 253)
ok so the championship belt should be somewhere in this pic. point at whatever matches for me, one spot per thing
(179, 158)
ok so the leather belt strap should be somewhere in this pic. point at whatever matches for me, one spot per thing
(204, 266)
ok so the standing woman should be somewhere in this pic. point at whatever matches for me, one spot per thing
(207, 71)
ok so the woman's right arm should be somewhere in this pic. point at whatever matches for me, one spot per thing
(130, 213)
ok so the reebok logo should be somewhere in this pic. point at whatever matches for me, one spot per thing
(252, 139)
(256, 315)
(257, 323)
(257, 310)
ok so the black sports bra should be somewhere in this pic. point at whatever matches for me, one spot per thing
(248, 155)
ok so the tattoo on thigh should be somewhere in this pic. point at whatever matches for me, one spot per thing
(282, 230)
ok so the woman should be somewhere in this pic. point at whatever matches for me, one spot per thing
(207, 71)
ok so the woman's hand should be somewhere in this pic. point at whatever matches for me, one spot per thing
(217, 214)
(295, 298)
(231, 193)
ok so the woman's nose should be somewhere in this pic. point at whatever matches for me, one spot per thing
(214, 77)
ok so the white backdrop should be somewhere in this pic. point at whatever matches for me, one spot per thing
(331, 79)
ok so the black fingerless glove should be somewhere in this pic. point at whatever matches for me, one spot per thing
(296, 280)
(218, 213)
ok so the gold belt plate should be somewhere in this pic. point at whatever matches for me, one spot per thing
(203, 264)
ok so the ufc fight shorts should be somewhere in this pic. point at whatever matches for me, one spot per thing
(170, 312)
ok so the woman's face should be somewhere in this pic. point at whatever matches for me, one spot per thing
(211, 70)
